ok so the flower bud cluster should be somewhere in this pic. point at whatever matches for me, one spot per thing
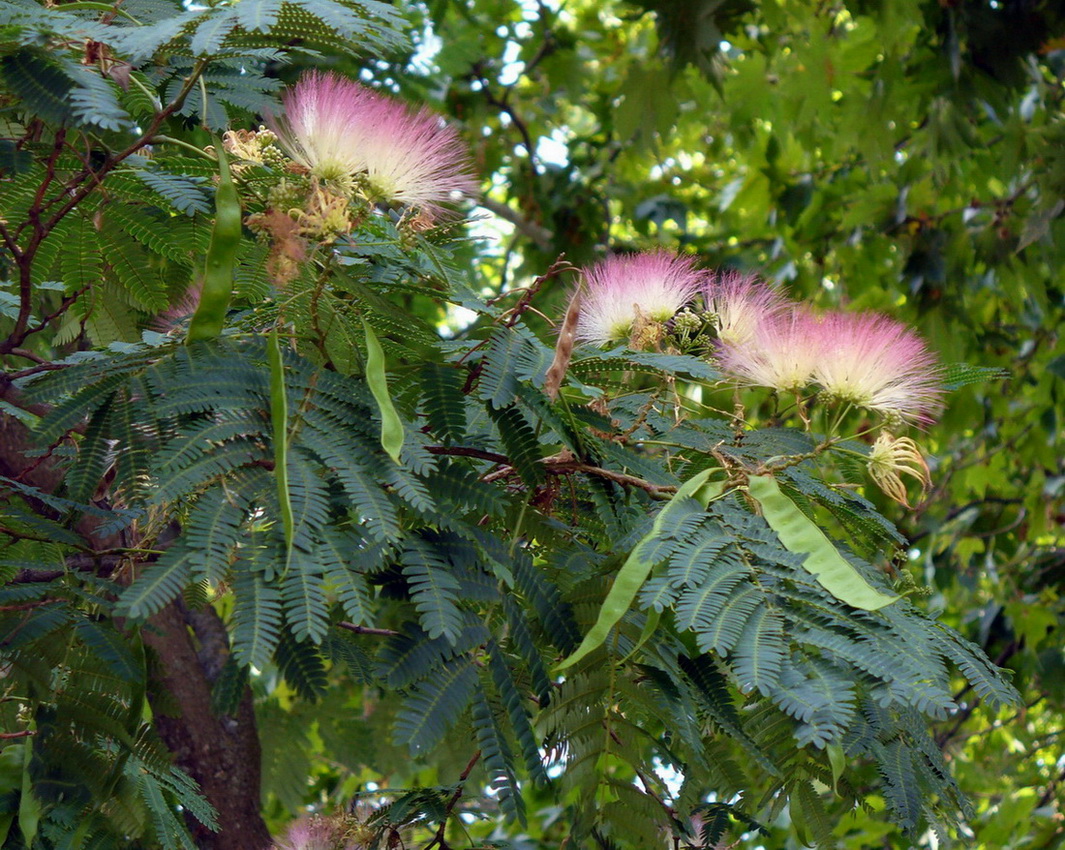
(758, 337)
(338, 150)
(358, 142)
(258, 147)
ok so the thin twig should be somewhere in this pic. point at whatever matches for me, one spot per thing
(525, 301)
(540, 235)
(560, 465)
(438, 839)
(366, 630)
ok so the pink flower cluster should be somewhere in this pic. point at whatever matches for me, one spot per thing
(739, 303)
(862, 359)
(339, 130)
(763, 339)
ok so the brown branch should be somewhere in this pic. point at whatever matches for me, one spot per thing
(366, 630)
(560, 464)
(26, 354)
(438, 839)
(64, 305)
(25, 733)
(1051, 789)
(466, 451)
(28, 606)
(74, 190)
(25, 258)
(9, 241)
(503, 105)
(562, 467)
(13, 395)
(540, 235)
(145, 138)
(102, 564)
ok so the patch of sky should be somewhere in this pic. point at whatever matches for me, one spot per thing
(673, 779)
(427, 44)
(553, 149)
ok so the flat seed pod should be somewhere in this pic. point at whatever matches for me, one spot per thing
(802, 536)
(637, 566)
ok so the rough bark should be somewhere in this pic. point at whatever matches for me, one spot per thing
(221, 753)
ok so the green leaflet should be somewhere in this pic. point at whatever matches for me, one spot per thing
(391, 426)
(279, 422)
(803, 537)
(637, 566)
(837, 760)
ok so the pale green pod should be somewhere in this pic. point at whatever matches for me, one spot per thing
(391, 426)
(637, 566)
(802, 536)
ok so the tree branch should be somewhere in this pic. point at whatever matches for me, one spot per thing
(74, 191)
(438, 839)
(540, 235)
(561, 464)
(366, 630)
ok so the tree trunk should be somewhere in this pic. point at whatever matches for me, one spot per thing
(220, 752)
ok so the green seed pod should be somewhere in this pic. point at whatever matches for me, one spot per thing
(637, 566)
(210, 316)
(803, 537)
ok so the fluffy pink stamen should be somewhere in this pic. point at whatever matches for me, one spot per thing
(740, 304)
(339, 128)
(781, 353)
(320, 111)
(621, 290)
(879, 364)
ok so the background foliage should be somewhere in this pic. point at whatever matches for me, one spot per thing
(899, 156)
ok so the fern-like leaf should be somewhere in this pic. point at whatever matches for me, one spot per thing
(302, 666)
(434, 591)
(303, 594)
(433, 706)
(520, 721)
(699, 607)
(518, 437)
(256, 617)
(444, 401)
(158, 585)
(497, 757)
(759, 653)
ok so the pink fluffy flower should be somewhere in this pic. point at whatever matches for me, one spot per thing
(308, 833)
(339, 129)
(878, 364)
(739, 304)
(782, 353)
(623, 293)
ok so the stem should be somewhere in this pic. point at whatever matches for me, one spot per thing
(74, 191)
(108, 8)
(438, 839)
(170, 140)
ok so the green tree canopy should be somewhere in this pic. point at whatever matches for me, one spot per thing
(325, 521)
